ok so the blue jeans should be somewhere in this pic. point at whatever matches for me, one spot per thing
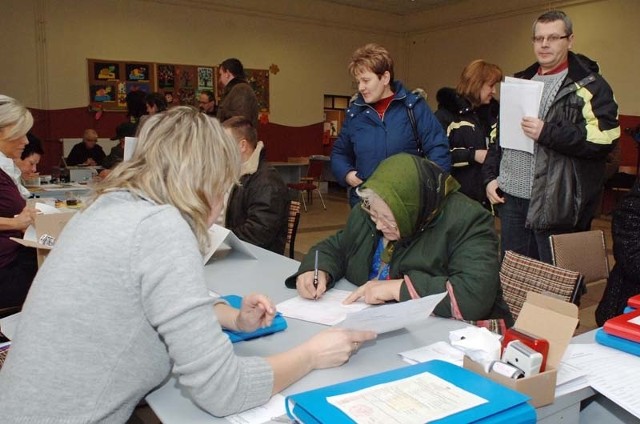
(515, 236)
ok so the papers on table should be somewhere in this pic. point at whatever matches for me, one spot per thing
(439, 350)
(393, 316)
(611, 372)
(270, 412)
(221, 241)
(327, 310)
(518, 98)
(414, 400)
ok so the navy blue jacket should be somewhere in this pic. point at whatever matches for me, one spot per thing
(366, 140)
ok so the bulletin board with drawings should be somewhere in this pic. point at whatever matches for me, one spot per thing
(111, 80)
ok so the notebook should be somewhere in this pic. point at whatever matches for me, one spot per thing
(617, 342)
(278, 324)
(502, 405)
(626, 326)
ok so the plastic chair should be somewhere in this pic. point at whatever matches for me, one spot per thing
(310, 183)
(292, 226)
(520, 274)
(584, 252)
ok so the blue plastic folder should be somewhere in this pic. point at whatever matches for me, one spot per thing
(504, 405)
(619, 343)
(278, 324)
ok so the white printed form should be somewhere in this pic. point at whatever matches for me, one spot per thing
(414, 400)
(327, 310)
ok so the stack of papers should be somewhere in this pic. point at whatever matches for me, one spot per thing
(518, 98)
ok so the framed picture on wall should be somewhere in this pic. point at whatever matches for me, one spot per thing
(166, 76)
(111, 80)
(258, 79)
(205, 78)
(137, 71)
(106, 71)
(103, 93)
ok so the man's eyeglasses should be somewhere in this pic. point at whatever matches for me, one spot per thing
(366, 206)
(538, 39)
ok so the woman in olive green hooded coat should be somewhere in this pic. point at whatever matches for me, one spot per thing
(414, 236)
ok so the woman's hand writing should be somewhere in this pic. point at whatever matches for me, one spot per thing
(304, 284)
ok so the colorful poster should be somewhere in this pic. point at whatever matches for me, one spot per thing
(137, 71)
(106, 71)
(205, 78)
(103, 93)
(166, 76)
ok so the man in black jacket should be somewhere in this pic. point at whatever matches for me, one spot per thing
(257, 209)
(556, 189)
(238, 98)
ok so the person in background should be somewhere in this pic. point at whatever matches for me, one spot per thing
(156, 103)
(471, 124)
(378, 123)
(238, 98)
(258, 208)
(414, 235)
(145, 310)
(207, 102)
(136, 106)
(88, 152)
(28, 163)
(116, 155)
(18, 263)
(624, 280)
(556, 189)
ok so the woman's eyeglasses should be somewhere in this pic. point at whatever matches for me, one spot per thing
(386, 223)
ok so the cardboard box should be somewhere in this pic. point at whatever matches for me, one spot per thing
(549, 318)
(50, 224)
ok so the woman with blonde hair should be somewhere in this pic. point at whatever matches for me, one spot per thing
(18, 264)
(473, 112)
(109, 328)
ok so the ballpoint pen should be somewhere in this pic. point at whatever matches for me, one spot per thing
(315, 273)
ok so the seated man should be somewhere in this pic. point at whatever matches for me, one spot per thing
(87, 152)
(414, 235)
(258, 207)
(116, 155)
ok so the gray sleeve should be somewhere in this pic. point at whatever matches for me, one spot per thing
(177, 303)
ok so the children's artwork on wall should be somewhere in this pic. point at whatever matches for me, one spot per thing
(106, 71)
(166, 76)
(103, 93)
(137, 71)
(205, 78)
(259, 81)
(138, 86)
(186, 76)
(186, 96)
(122, 94)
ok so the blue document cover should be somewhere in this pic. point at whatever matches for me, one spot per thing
(619, 343)
(504, 405)
(278, 324)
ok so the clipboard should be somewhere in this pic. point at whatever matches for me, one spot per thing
(221, 241)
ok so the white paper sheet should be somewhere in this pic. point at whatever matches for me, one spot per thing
(267, 413)
(393, 316)
(130, 144)
(327, 310)
(219, 238)
(518, 98)
(438, 350)
(611, 372)
(413, 400)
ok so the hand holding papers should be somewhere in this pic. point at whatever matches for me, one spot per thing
(518, 98)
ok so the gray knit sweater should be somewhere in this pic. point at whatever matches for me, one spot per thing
(119, 303)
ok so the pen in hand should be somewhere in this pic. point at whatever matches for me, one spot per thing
(315, 275)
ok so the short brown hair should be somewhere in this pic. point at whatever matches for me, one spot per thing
(474, 76)
(372, 57)
(242, 129)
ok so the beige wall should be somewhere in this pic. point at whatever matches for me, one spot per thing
(606, 31)
(311, 50)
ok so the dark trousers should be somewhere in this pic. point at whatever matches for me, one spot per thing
(516, 237)
(15, 279)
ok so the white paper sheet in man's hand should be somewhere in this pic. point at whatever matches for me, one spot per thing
(394, 316)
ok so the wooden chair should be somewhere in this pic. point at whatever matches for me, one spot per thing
(584, 252)
(292, 226)
(310, 183)
(520, 274)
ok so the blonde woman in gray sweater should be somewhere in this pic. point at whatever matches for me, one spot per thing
(122, 301)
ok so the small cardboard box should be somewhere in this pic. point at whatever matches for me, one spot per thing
(50, 224)
(549, 318)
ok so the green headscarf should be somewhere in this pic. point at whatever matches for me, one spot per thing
(413, 187)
